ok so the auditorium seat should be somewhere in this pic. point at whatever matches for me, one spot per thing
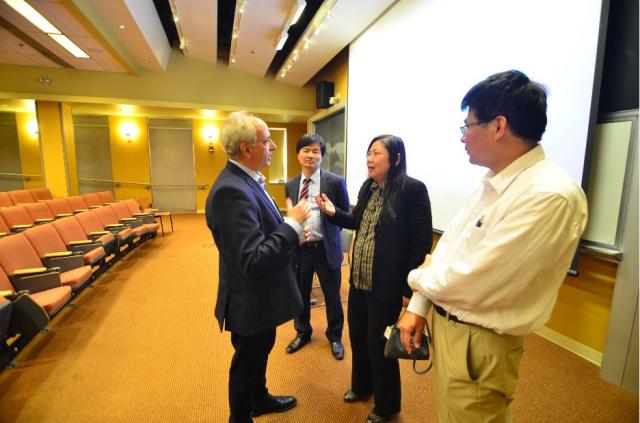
(5, 199)
(53, 251)
(124, 215)
(41, 194)
(17, 218)
(77, 203)
(111, 223)
(51, 300)
(60, 207)
(17, 254)
(39, 212)
(94, 229)
(92, 199)
(106, 197)
(4, 228)
(22, 196)
(74, 236)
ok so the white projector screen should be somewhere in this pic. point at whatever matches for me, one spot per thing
(410, 70)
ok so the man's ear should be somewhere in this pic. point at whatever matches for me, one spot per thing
(501, 125)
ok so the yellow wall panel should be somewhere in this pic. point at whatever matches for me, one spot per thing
(129, 146)
(208, 165)
(51, 141)
(29, 146)
(70, 148)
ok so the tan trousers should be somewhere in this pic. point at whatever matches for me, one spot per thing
(476, 371)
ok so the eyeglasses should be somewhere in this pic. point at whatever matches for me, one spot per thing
(466, 127)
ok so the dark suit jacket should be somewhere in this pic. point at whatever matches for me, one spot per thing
(335, 188)
(257, 289)
(400, 245)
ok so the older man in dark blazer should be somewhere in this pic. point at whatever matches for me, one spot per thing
(257, 288)
(322, 253)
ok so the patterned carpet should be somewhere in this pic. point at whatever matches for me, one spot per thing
(142, 345)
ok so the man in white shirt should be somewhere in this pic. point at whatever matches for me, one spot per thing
(495, 274)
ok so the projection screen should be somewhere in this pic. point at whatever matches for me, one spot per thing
(409, 71)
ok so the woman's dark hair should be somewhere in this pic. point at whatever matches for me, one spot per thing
(397, 173)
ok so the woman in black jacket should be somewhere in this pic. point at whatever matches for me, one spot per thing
(392, 220)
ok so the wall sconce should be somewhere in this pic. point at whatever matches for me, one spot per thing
(209, 133)
(210, 149)
(128, 131)
(32, 126)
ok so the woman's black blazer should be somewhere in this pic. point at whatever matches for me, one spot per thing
(400, 244)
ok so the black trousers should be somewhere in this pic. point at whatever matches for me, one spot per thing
(314, 260)
(368, 318)
(247, 375)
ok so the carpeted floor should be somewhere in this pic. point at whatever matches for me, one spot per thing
(142, 345)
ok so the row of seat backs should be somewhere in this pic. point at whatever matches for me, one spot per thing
(32, 213)
(24, 196)
(28, 249)
(20, 196)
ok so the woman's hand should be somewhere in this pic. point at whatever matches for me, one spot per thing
(325, 205)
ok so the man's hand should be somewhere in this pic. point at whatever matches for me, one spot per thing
(300, 212)
(325, 205)
(411, 327)
(306, 236)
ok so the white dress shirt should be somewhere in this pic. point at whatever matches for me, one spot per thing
(313, 222)
(502, 259)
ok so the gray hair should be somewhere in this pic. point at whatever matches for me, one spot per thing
(239, 128)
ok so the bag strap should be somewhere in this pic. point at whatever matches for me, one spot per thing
(430, 343)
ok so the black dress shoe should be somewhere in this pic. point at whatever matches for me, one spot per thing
(297, 343)
(274, 404)
(351, 396)
(337, 350)
(374, 418)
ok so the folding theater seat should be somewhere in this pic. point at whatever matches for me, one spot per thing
(54, 253)
(124, 215)
(43, 289)
(41, 194)
(17, 218)
(60, 207)
(20, 261)
(106, 197)
(22, 196)
(92, 199)
(5, 199)
(94, 229)
(111, 223)
(76, 238)
(77, 203)
(40, 212)
(4, 228)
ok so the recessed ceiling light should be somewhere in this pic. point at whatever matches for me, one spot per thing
(122, 27)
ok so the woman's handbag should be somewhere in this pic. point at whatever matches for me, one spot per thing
(394, 348)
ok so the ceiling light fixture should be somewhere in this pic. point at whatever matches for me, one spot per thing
(32, 15)
(176, 21)
(235, 32)
(322, 16)
(292, 18)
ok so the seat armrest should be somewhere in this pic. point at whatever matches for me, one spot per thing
(114, 225)
(79, 211)
(99, 232)
(6, 293)
(65, 263)
(94, 207)
(44, 220)
(81, 242)
(20, 228)
(61, 215)
(36, 282)
(30, 271)
(85, 248)
(60, 254)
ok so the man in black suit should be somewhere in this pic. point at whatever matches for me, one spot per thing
(322, 253)
(257, 288)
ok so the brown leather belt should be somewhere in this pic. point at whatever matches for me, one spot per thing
(442, 312)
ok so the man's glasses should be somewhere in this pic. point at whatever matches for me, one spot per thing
(466, 127)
